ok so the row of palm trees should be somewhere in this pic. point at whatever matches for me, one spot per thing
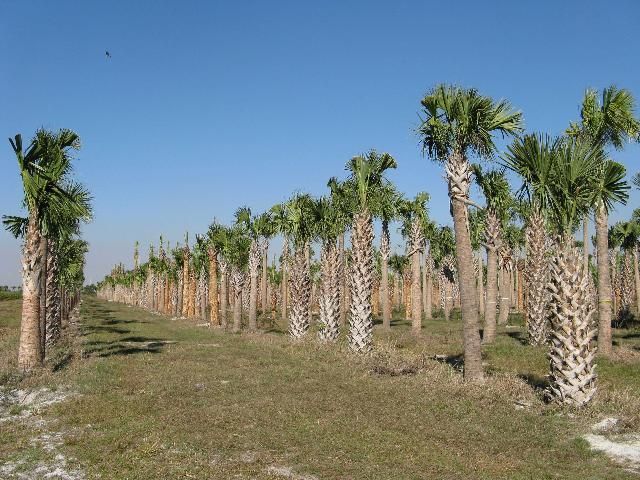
(53, 254)
(565, 180)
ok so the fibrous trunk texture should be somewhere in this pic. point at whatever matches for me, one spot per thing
(254, 266)
(214, 317)
(329, 293)
(537, 277)
(285, 280)
(417, 241)
(53, 324)
(428, 284)
(300, 286)
(224, 268)
(237, 283)
(572, 371)
(492, 243)
(385, 250)
(458, 173)
(361, 274)
(504, 275)
(30, 352)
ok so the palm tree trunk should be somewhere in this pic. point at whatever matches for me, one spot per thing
(285, 280)
(385, 250)
(636, 278)
(504, 289)
(30, 352)
(263, 284)
(214, 317)
(458, 174)
(480, 283)
(299, 320)
(223, 298)
(428, 285)
(604, 282)
(329, 293)
(343, 280)
(44, 251)
(360, 319)
(585, 242)
(416, 293)
(52, 329)
(492, 294)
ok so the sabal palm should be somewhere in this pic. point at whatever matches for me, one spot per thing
(562, 183)
(367, 184)
(607, 122)
(389, 210)
(300, 224)
(249, 222)
(458, 122)
(497, 193)
(45, 168)
(329, 227)
(415, 216)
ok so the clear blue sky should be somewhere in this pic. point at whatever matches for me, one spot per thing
(205, 106)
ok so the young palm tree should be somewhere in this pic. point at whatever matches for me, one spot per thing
(236, 253)
(458, 122)
(45, 168)
(626, 236)
(366, 186)
(608, 122)
(252, 227)
(414, 213)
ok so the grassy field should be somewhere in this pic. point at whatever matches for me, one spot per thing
(161, 398)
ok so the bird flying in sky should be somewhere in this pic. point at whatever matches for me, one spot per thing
(107, 53)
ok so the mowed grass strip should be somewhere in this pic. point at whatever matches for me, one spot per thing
(164, 398)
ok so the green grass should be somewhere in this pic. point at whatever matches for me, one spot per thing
(4, 295)
(217, 405)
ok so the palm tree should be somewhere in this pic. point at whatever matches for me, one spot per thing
(561, 178)
(389, 209)
(236, 252)
(397, 264)
(608, 122)
(300, 221)
(366, 185)
(477, 226)
(215, 242)
(265, 228)
(343, 203)
(45, 169)
(414, 213)
(429, 231)
(495, 188)
(329, 227)
(456, 123)
(249, 222)
(281, 225)
(626, 235)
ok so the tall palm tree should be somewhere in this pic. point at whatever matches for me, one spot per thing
(301, 225)
(606, 123)
(456, 123)
(366, 185)
(626, 235)
(282, 226)
(236, 252)
(265, 228)
(252, 227)
(329, 227)
(215, 241)
(477, 226)
(495, 188)
(45, 169)
(389, 210)
(414, 213)
(533, 157)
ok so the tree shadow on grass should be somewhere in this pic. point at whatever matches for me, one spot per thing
(537, 382)
(125, 346)
(519, 336)
(89, 329)
(454, 361)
